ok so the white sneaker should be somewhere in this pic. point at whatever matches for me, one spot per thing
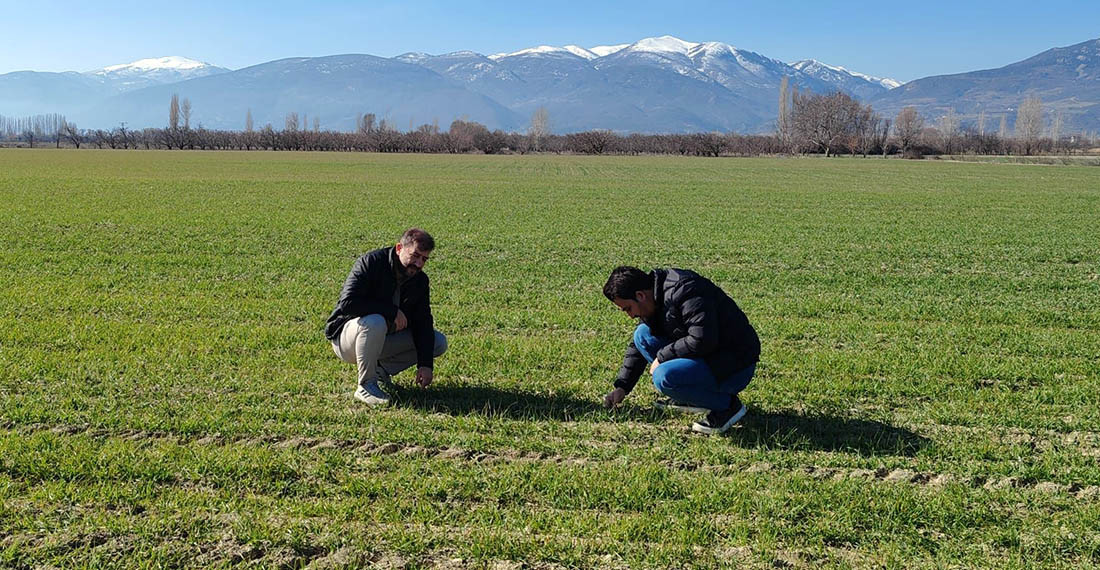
(372, 395)
(718, 421)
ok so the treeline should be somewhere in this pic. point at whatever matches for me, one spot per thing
(837, 123)
(462, 137)
(807, 124)
(36, 128)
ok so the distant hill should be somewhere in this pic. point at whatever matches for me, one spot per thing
(333, 89)
(857, 84)
(35, 92)
(659, 84)
(32, 92)
(1066, 79)
(153, 71)
(656, 85)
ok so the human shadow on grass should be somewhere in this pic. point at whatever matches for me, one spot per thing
(759, 429)
(496, 402)
(794, 431)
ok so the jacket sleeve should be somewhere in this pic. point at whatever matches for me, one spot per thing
(422, 326)
(700, 315)
(358, 297)
(633, 366)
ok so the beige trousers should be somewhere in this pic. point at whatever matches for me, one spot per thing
(364, 342)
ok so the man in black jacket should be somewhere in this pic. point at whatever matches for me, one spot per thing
(383, 320)
(699, 345)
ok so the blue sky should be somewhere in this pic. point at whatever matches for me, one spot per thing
(903, 40)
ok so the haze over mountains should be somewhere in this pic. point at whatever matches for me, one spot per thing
(655, 85)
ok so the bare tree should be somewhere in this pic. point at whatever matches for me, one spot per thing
(540, 127)
(174, 113)
(1056, 129)
(1029, 124)
(949, 130)
(248, 121)
(291, 123)
(368, 125)
(783, 126)
(866, 129)
(592, 142)
(825, 121)
(185, 112)
(71, 134)
(907, 126)
(883, 137)
(461, 135)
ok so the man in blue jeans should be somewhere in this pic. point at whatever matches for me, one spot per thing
(699, 345)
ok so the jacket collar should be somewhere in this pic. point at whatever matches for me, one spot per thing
(658, 296)
(659, 276)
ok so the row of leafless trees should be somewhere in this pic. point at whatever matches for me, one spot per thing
(906, 135)
(462, 137)
(42, 129)
(827, 124)
(807, 123)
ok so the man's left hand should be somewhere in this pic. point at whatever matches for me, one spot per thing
(424, 376)
(653, 367)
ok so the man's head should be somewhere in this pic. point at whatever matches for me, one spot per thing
(631, 289)
(413, 250)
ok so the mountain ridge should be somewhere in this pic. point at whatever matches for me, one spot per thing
(654, 85)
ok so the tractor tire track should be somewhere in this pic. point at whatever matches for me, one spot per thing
(924, 479)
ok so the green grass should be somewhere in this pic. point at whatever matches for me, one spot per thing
(929, 393)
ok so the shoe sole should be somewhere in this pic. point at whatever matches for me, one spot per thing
(700, 428)
(684, 408)
(371, 400)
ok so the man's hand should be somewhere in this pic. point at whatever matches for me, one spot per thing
(400, 321)
(653, 367)
(614, 398)
(424, 376)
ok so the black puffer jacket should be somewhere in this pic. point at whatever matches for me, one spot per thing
(701, 321)
(368, 290)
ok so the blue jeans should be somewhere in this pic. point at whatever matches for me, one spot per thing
(689, 380)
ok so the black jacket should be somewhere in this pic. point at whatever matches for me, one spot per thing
(369, 290)
(701, 321)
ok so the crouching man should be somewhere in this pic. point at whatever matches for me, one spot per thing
(699, 345)
(382, 322)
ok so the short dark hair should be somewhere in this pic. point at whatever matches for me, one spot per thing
(625, 281)
(417, 238)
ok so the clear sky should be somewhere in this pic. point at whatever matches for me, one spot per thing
(904, 40)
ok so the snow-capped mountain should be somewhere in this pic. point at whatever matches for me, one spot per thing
(154, 71)
(859, 84)
(607, 50)
(729, 66)
(548, 50)
(624, 87)
(69, 93)
(654, 85)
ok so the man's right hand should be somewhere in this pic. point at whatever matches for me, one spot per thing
(400, 321)
(614, 398)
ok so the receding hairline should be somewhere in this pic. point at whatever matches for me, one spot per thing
(417, 238)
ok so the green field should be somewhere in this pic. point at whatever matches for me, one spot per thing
(928, 395)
